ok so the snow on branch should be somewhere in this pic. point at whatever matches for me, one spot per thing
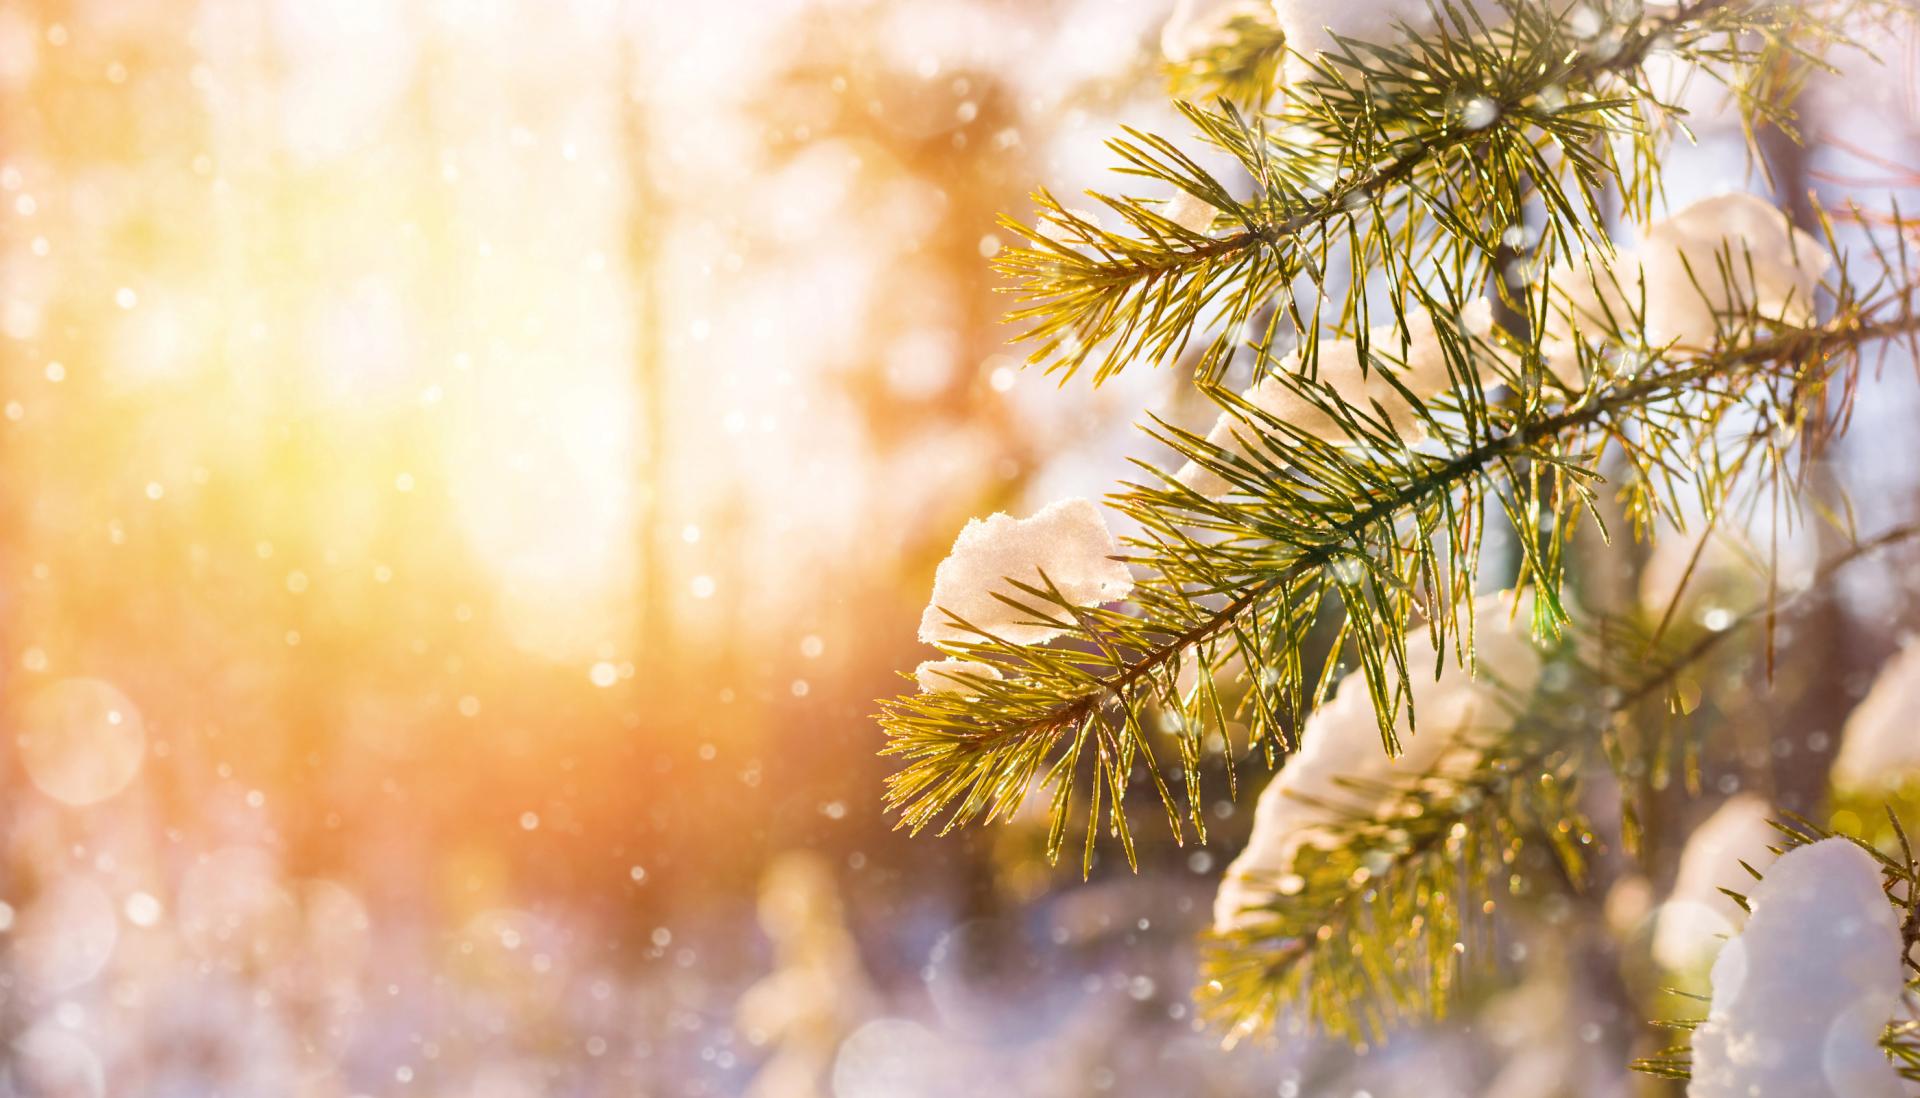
(1240, 581)
(1368, 892)
(1802, 994)
(1808, 997)
(1436, 339)
(1384, 158)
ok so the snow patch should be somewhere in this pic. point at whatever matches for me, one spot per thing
(1340, 747)
(1801, 996)
(1878, 747)
(1731, 253)
(1068, 540)
(1697, 918)
(953, 676)
(1414, 357)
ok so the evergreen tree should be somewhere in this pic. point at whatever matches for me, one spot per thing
(1438, 376)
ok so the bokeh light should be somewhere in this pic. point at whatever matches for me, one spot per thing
(81, 741)
(467, 468)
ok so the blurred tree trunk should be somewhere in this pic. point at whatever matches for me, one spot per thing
(1813, 685)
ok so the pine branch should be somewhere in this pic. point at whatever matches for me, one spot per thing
(1387, 917)
(1374, 161)
(1241, 64)
(1331, 523)
(1416, 166)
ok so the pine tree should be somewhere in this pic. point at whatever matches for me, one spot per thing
(1437, 374)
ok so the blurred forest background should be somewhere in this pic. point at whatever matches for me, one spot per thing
(469, 466)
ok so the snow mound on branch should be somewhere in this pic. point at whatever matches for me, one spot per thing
(1068, 540)
(1879, 746)
(1801, 996)
(951, 676)
(1340, 747)
(1414, 357)
(1190, 212)
(1697, 918)
(1732, 253)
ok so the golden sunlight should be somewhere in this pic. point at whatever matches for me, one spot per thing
(468, 469)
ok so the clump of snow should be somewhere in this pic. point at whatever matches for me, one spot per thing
(1801, 996)
(953, 676)
(1340, 746)
(1729, 254)
(1414, 357)
(1190, 212)
(1074, 227)
(1878, 747)
(1068, 540)
(1197, 26)
(1697, 918)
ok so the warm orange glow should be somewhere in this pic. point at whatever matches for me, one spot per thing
(468, 465)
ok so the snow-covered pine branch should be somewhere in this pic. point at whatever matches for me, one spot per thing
(1364, 895)
(1803, 993)
(1810, 996)
(1349, 527)
(1434, 339)
(1391, 157)
(1339, 773)
(1729, 259)
(1223, 49)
